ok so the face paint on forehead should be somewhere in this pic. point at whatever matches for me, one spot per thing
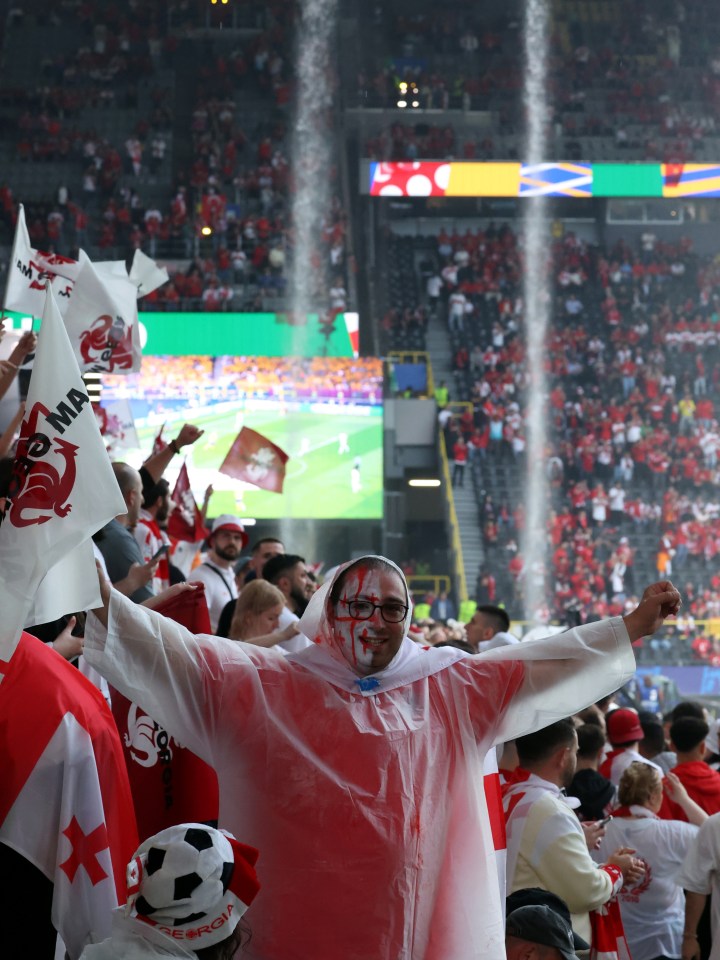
(364, 583)
(357, 639)
(368, 584)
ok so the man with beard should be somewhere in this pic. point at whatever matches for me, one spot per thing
(288, 573)
(150, 531)
(548, 848)
(226, 541)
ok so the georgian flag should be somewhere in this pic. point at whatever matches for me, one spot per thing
(65, 802)
(62, 490)
(185, 523)
(493, 798)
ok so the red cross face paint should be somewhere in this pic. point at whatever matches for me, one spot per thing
(369, 645)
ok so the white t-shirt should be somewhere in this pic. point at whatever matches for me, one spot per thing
(701, 873)
(653, 909)
(220, 588)
(434, 286)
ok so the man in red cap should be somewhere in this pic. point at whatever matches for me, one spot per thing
(226, 541)
(624, 733)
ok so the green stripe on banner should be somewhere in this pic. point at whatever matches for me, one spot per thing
(243, 334)
(627, 180)
(232, 334)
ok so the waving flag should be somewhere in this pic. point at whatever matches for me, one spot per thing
(65, 802)
(62, 489)
(159, 443)
(185, 523)
(117, 425)
(31, 271)
(102, 321)
(257, 460)
(145, 274)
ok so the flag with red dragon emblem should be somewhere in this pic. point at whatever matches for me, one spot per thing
(97, 300)
(102, 321)
(31, 271)
(62, 490)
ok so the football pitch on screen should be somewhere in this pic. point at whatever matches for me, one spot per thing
(335, 468)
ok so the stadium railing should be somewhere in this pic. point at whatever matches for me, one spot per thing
(428, 583)
(452, 520)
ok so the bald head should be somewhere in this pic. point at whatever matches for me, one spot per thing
(130, 483)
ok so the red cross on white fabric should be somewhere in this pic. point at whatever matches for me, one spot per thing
(85, 848)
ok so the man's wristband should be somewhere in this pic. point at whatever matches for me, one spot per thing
(689, 936)
(174, 447)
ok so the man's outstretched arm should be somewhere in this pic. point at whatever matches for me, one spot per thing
(565, 673)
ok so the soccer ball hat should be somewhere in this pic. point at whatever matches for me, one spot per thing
(192, 883)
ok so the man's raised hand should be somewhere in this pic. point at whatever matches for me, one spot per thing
(660, 600)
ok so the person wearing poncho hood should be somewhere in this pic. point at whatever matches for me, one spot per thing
(356, 765)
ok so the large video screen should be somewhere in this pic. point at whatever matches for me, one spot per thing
(324, 412)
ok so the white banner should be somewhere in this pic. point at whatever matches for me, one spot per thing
(62, 489)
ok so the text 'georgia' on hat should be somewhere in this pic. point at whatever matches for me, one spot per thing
(192, 883)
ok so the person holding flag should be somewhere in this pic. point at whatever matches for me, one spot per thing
(64, 797)
(379, 741)
(62, 491)
(9, 368)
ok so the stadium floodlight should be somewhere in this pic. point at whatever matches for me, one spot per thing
(423, 482)
(402, 103)
(206, 231)
(415, 104)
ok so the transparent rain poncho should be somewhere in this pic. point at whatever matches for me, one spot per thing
(364, 795)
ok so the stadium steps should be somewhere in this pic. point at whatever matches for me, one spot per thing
(438, 345)
(467, 515)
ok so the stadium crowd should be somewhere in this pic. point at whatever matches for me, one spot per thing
(219, 213)
(437, 786)
(202, 379)
(633, 387)
(647, 88)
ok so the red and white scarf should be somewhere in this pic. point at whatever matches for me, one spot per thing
(608, 934)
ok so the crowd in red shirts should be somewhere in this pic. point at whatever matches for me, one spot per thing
(650, 84)
(632, 457)
(227, 215)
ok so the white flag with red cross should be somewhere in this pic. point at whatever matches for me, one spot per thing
(65, 801)
(62, 489)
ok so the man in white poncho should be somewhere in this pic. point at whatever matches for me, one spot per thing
(356, 765)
